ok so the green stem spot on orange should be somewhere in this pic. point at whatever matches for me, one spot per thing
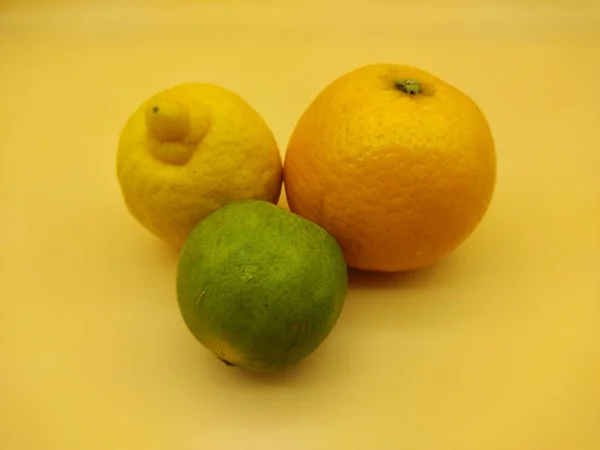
(411, 87)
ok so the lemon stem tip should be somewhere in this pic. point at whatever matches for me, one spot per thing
(168, 120)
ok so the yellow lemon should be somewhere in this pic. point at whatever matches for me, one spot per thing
(189, 150)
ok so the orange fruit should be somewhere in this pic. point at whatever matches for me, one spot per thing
(396, 164)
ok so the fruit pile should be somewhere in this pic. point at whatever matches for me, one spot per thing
(388, 169)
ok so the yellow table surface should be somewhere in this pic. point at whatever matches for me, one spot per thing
(495, 347)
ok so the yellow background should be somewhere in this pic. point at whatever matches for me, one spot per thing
(495, 347)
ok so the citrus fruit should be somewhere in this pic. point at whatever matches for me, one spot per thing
(189, 150)
(396, 164)
(259, 286)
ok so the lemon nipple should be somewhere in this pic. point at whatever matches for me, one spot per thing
(168, 120)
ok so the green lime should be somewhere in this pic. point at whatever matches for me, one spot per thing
(259, 286)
